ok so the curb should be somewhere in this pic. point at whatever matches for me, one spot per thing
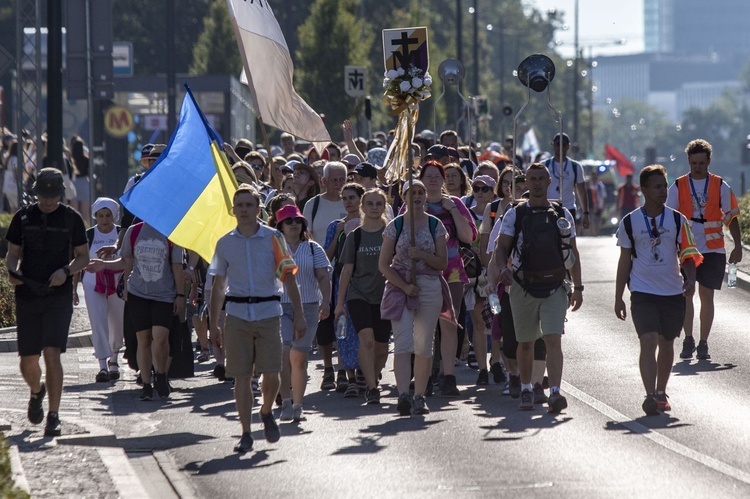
(16, 469)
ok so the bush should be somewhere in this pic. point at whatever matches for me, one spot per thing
(4, 223)
(744, 203)
(7, 487)
(7, 299)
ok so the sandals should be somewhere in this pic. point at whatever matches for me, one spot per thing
(203, 356)
(102, 376)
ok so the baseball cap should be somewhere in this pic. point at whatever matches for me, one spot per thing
(565, 138)
(366, 170)
(49, 183)
(351, 160)
(407, 185)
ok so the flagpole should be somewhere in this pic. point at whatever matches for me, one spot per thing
(267, 144)
(410, 200)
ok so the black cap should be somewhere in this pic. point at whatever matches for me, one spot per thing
(438, 151)
(366, 170)
(49, 183)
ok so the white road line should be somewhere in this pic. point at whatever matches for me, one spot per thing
(657, 437)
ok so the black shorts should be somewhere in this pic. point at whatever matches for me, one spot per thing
(326, 333)
(43, 322)
(145, 313)
(710, 273)
(663, 315)
(367, 316)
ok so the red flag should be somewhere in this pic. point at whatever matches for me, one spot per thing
(624, 166)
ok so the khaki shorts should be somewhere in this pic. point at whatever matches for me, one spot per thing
(534, 317)
(247, 343)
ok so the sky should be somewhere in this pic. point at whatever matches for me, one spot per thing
(602, 24)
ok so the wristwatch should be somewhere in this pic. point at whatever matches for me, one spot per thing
(66, 269)
(578, 288)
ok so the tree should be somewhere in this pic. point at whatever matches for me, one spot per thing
(330, 38)
(216, 50)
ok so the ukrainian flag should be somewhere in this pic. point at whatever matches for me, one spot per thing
(187, 194)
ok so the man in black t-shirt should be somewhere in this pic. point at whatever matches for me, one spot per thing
(46, 245)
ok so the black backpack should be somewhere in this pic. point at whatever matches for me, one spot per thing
(542, 268)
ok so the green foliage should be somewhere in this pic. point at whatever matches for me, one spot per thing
(216, 50)
(7, 487)
(744, 203)
(7, 299)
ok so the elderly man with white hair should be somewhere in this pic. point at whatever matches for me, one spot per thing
(105, 308)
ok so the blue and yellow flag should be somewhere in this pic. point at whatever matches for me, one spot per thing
(187, 194)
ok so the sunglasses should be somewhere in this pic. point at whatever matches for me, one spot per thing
(294, 220)
(256, 166)
(484, 188)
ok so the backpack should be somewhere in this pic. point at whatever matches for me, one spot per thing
(398, 222)
(628, 224)
(541, 253)
(133, 237)
(470, 257)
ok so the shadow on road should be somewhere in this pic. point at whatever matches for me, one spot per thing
(694, 367)
(254, 460)
(645, 424)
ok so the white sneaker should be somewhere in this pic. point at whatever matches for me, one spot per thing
(297, 412)
(287, 413)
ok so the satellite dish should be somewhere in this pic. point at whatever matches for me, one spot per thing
(536, 72)
(451, 71)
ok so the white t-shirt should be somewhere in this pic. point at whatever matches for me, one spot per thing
(568, 176)
(699, 233)
(656, 269)
(327, 212)
(100, 239)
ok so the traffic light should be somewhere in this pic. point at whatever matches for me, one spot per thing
(746, 151)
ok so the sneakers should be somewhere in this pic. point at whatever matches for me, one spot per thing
(662, 401)
(220, 372)
(650, 406)
(114, 371)
(329, 382)
(419, 406)
(102, 376)
(53, 427)
(404, 404)
(557, 402)
(702, 351)
(245, 444)
(498, 374)
(286, 410)
(297, 413)
(147, 392)
(527, 401)
(449, 386)
(514, 386)
(341, 382)
(484, 378)
(539, 396)
(139, 379)
(36, 409)
(372, 397)
(471, 359)
(352, 390)
(270, 428)
(361, 382)
(161, 385)
(688, 347)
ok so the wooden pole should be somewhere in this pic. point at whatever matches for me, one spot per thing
(267, 144)
(410, 175)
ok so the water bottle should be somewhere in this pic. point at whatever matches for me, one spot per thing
(341, 327)
(494, 303)
(732, 276)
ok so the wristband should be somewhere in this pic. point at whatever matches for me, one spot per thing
(578, 288)
(180, 295)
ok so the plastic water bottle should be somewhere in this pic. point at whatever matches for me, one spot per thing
(494, 303)
(732, 276)
(341, 327)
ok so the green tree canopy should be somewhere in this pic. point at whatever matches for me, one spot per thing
(216, 50)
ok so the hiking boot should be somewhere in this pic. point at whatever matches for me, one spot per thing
(161, 385)
(701, 352)
(498, 374)
(53, 428)
(102, 376)
(449, 386)
(341, 382)
(557, 402)
(220, 372)
(286, 410)
(372, 396)
(514, 386)
(484, 378)
(471, 359)
(688, 347)
(352, 390)
(147, 392)
(270, 428)
(527, 401)
(297, 413)
(650, 406)
(539, 396)
(245, 444)
(404, 404)
(329, 381)
(420, 406)
(36, 408)
(662, 401)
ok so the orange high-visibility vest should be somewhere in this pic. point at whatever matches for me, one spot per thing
(713, 216)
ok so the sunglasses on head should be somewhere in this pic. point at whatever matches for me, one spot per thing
(293, 220)
(481, 188)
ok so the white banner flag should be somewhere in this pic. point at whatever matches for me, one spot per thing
(268, 72)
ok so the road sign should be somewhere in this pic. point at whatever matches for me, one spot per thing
(122, 58)
(118, 121)
(354, 80)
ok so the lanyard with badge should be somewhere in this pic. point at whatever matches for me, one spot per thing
(562, 175)
(701, 202)
(654, 232)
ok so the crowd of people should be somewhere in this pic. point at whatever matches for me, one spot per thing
(473, 261)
